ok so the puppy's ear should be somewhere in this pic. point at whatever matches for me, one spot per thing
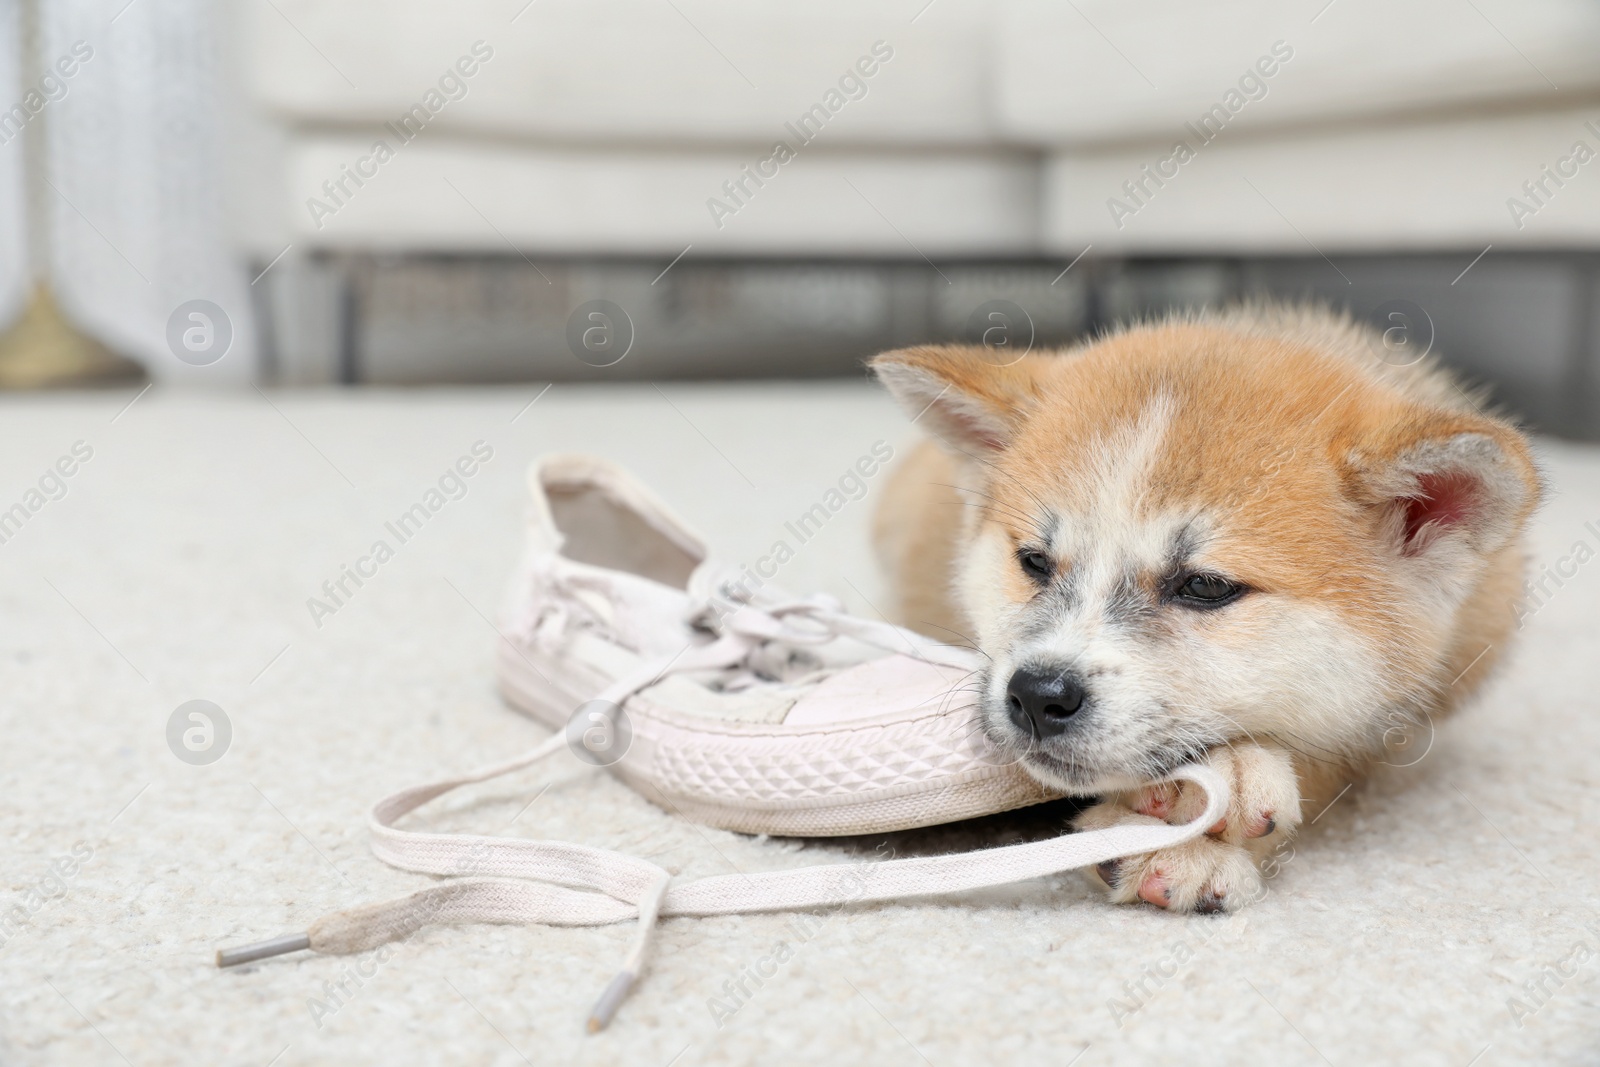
(1437, 481)
(960, 394)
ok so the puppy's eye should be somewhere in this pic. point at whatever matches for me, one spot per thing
(1036, 565)
(1208, 589)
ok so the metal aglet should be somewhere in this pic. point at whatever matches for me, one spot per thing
(277, 946)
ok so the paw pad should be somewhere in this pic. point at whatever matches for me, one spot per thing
(1155, 890)
(1157, 801)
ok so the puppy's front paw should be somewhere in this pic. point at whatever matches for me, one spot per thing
(1204, 875)
(1216, 872)
(1264, 796)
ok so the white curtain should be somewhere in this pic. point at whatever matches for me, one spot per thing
(137, 178)
(14, 268)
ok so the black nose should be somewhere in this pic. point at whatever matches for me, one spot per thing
(1043, 703)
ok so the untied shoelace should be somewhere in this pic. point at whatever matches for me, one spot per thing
(518, 880)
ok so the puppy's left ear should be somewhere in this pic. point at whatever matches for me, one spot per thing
(1435, 479)
(967, 400)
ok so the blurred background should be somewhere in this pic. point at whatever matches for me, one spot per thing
(346, 193)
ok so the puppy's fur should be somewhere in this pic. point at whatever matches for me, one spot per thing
(1361, 521)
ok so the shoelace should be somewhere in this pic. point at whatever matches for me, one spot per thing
(518, 880)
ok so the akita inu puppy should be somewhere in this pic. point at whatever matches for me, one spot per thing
(1244, 537)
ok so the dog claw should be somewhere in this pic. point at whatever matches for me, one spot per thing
(1210, 903)
(1108, 872)
(1261, 826)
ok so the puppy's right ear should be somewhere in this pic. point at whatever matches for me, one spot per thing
(960, 394)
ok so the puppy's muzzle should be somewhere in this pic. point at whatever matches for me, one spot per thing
(1045, 703)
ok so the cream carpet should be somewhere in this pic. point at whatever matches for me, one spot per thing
(1413, 924)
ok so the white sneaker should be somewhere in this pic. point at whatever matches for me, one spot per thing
(732, 704)
(723, 698)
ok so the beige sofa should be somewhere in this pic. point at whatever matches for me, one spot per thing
(950, 132)
(997, 128)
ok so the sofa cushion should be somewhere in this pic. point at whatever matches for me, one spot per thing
(1103, 71)
(442, 194)
(703, 71)
(1445, 184)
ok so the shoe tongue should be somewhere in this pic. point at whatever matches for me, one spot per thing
(647, 615)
